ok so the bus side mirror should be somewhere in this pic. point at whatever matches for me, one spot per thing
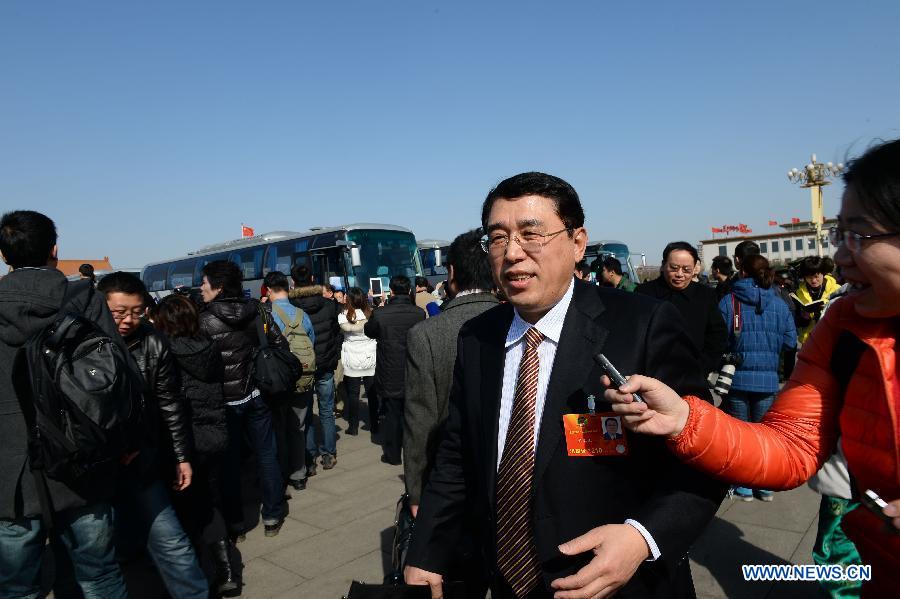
(437, 257)
(355, 258)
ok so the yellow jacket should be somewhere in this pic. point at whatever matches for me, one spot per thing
(805, 298)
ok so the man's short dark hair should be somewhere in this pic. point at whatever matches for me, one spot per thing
(86, 270)
(400, 285)
(612, 264)
(422, 282)
(723, 265)
(27, 238)
(276, 280)
(471, 268)
(122, 282)
(568, 206)
(583, 268)
(224, 275)
(301, 275)
(682, 246)
(745, 248)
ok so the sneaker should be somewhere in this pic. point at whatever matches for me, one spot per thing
(743, 494)
(328, 461)
(273, 529)
(299, 485)
(766, 496)
(311, 469)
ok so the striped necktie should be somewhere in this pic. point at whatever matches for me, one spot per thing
(516, 550)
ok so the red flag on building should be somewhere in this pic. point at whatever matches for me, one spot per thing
(742, 228)
(773, 223)
(246, 231)
(717, 230)
(795, 220)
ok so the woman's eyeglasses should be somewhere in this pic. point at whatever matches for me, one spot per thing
(853, 241)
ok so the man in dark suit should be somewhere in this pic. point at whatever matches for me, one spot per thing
(549, 517)
(612, 429)
(389, 325)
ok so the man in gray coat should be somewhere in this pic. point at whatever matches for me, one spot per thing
(431, 353)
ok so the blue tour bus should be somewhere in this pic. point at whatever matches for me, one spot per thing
(611, 247)
(433, 254)
(350, 255)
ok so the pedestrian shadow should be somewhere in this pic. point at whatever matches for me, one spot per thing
(723, 549)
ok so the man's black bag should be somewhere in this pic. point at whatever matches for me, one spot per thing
(81, 399)
(275, 369)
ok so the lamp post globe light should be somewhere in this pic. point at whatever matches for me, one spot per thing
(815, 176)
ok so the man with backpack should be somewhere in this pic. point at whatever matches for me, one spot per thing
(323, 312)
(289, 414)
(32, 296)
(144, 512)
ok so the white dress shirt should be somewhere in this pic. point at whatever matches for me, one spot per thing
(550, 325)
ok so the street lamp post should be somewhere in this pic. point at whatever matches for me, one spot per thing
(815, 176)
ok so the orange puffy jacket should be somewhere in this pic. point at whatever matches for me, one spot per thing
(799, 433)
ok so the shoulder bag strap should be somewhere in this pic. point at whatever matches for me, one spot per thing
(262, 328)
(283, 315)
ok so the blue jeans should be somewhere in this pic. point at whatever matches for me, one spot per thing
(254, 419)
(144, 515)
(87, 535)
(749, 406)
(325, 393)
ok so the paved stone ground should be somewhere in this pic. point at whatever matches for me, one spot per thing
(339, 530)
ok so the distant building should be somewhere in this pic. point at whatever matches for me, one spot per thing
(70, 267)
(796, 240)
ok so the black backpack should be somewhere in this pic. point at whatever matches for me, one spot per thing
(82, 401)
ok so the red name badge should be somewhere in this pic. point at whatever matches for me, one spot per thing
(592, 435)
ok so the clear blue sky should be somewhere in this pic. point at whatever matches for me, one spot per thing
(149, 129)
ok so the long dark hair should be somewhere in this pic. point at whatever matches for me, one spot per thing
(757, 268)
(177, 316)
(357, 300)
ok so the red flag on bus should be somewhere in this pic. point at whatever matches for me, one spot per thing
(246, 231)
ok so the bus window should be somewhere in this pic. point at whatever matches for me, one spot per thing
(249, 260)
(155, 277)
(283, 256)
(181, 274)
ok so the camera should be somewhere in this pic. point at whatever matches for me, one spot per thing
(735, 359)
(730, 363)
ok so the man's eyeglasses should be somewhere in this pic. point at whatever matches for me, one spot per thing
(674, 268)
(135, 314)
(531, 242)
(853, 241)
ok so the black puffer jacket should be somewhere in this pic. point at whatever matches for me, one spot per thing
(30, 299)
(323, 314)
(202, 374)
(232, 323)
(166, 417)
(389, 325)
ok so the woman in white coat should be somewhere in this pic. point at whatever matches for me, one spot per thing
(358, 358)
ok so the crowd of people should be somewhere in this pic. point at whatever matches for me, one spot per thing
(518, 473)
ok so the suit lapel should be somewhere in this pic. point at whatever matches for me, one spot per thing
(580, 339)
(493, 357)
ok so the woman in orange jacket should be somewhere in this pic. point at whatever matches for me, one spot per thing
(799, 432)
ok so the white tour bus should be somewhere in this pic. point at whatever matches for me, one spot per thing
(351, 255)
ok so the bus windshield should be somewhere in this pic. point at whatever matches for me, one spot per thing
(384, 254)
